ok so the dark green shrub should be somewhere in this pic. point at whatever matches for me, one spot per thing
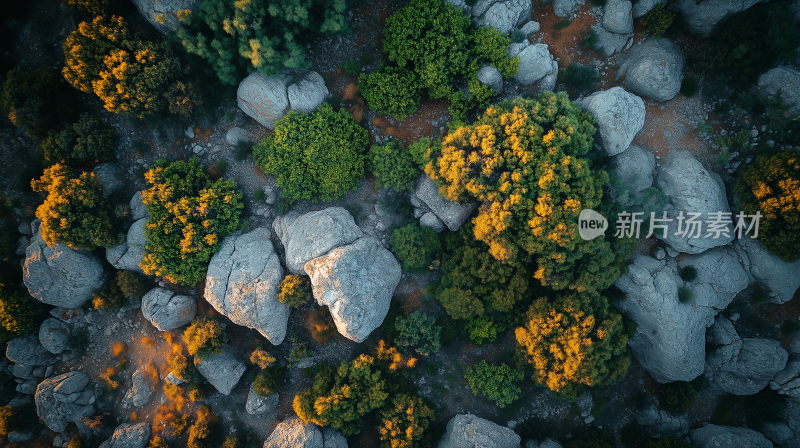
(518, 36)
(760, 295)
(685, 294)
(131, 284)
(723, 412)
(270, 380)
(295, 290)
(203, 432)
(593, 438)
(679, 397)
(352, 67)
(265, 38)
(391, 90)
(423, 150)
(591, 39)
(80, 143)
(316, 157)
(690, 86)
(532, 428)
(75, 212)
(632, 435)
(189, 217)
(417, 331)
(393, 166)
(494, 382)
(16, 313)
(657, 21)
(751, 42)
(220, 167)
(242, 151)
(299, 351)
(260, 195)
(78, 341)
(204, 337)
(29, 98)
(415, 247)
(580, 77)
(482, 329)
(109, 298)
(689, 273)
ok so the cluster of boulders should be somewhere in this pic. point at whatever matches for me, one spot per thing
(267, 100)
(129, 254)
(163, 14)
(434, 210)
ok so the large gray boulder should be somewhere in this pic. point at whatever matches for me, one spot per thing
(609, 43)
(720, 276)
(783, 81)
(28, 351)
(256, 404)
(654, 69)
(53, 335)
(453, 214)
(129, 435)
(661, 423)
(59, 275)
(670, 337)
(68, 315)
(469, 431)
(742, 366)
(713, 436)
(491, 77)
(506, 15)
(356, 282)
(564, 8)
(333, 438)
(785, 433)
(635, 167)
(642, 7)
(167, 311)
(109, 176)
(143, 383)
(138, 209)
(163, 14)
(787, 381)
(267, 100)
(295, 433)
(692, 189)
(619, 116)
(242, 284)
(222, 371)
(314, 234)
(65, 399)
(617, 16)
(462, 5)
(236, 135)
(780, 278)
(128, 255)
(535, 61)
(702, 17)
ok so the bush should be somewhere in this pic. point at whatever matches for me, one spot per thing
(580, 77)
(84, 142)
(295, 290)
(690, 86)
(494, 382)
(591, 39)
(574, 341)
(202, 432)
(352, 67)
(299, 351)
(391, 90)
(265, 37)
(270, 380)
(482, 329)
(242, 439)
(657, 20)
(182, 367)
(189, 217)
(75, 442)
(197, 392)
(75, 212)
(593, 438)
(415, 247)
(561, 24)
(417, 331)
(315, 157)
(339, 399)
(242, 151)
(685, 294)
(689, 273)
(28, 100)
(10, 420)
(131, 284)
(131, 76)
(16, 313)
(679, 397)
(204, 337)
(393, 166)
(109, 298)
(751, 42)
(157, 442)
(322, 326)
(533, 195)
(261, 358)
(403, 421)
(770, 186)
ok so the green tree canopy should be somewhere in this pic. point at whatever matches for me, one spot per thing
(494, 381)
(419, 332)
(37, 101)
(415, 247)
(404, 419)
(16, 313)
(86, 141)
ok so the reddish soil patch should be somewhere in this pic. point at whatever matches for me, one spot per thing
(416, 126)
(566, 42)
(778, 314)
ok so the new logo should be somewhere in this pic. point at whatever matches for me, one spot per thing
(591, 224)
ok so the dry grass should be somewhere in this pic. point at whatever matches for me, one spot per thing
(118, 349)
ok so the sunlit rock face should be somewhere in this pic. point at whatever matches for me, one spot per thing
(167, 311)
(163, 14)
(469, 431)
(267, 100)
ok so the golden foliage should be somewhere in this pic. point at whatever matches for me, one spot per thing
(394, 358)
(261, 358)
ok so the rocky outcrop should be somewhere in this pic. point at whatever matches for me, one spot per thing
(266, 100)
(431, 220)
(129, 435)
(128, 255)
(787, 381)
(53, 335)
(68, 315)
(256, 404)
(295, 433)
(222, 371)
(742, 366)
(785, 433)
(462, 5)
(661, 423)
(138, 209)
(720, 277)
(635, 167)
(780, 278)
(333, 438)
(242, 284)
(28, 351)
(314, 234)
(356, 282)
(65, 399)
(505, 15)
(535, 61)
(713, 436)
(469, 431)
(108, 175)
(642, 7)
(453, 214)
(59, 275)
(143, 383)
(617, 16)
(530, 27)
(564, 8)
(166, 311)
(609, 43)
(784, 81)
(491, 77)
(163, 14)
(692, 189)
(619, 116)
(654, 69)
(702, 17)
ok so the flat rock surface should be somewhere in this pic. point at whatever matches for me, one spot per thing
(469, 431)
(167, 311)
(619, 116)
(453, 214)
(222, 371)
